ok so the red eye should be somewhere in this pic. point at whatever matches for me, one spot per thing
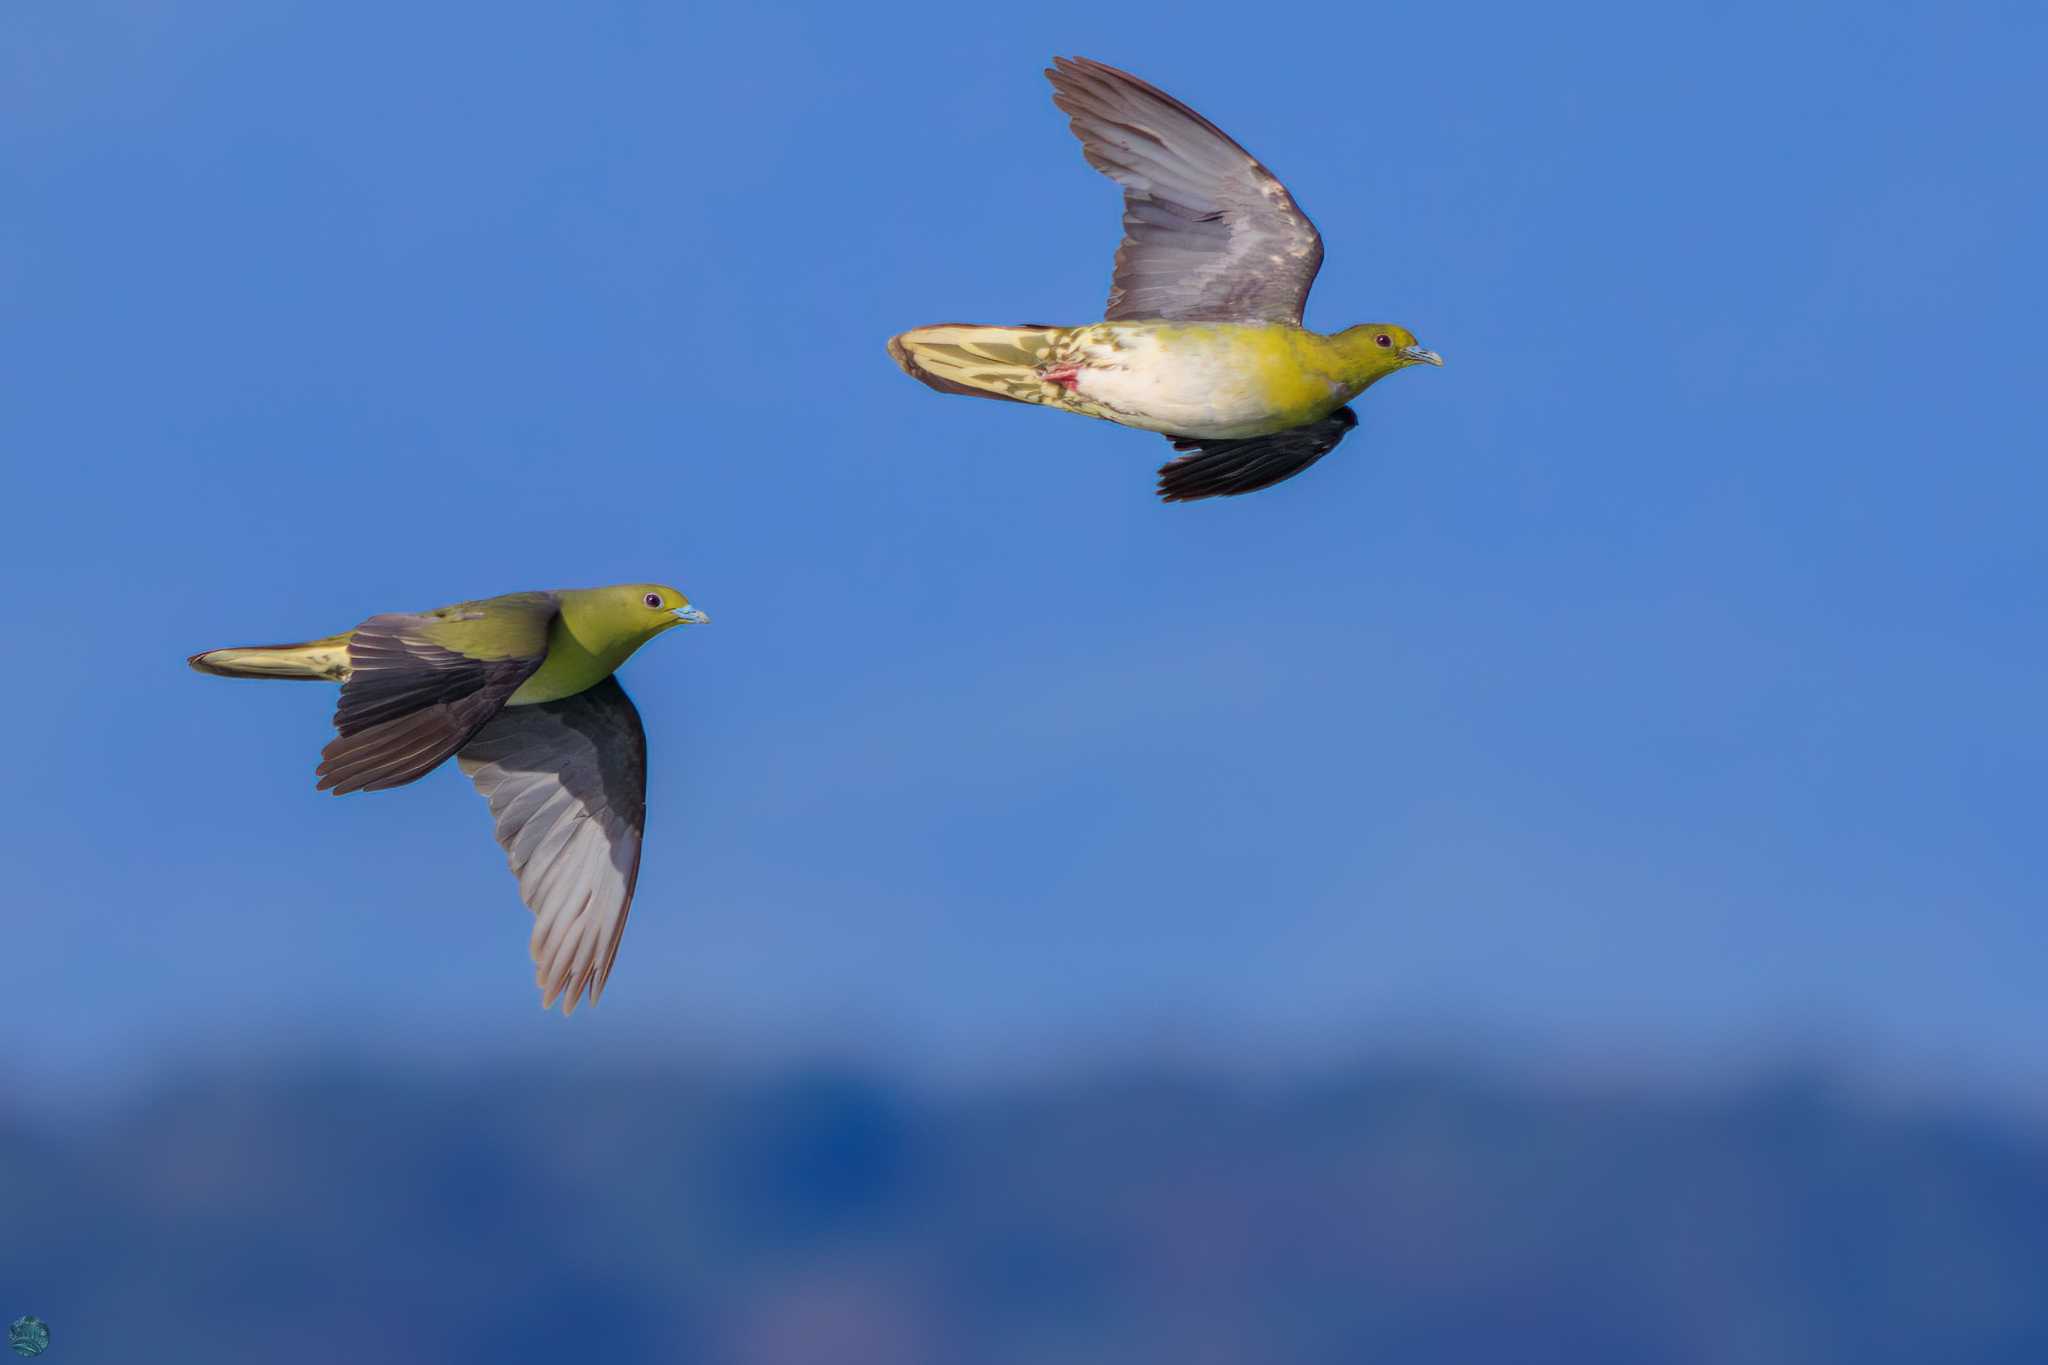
(652, 599)
(1383, 339)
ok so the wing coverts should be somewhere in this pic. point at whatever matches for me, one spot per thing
(409, 702)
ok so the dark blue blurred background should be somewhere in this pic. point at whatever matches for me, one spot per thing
(1559, 882)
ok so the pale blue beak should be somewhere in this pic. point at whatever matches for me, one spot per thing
(1425, 357)
(690, 616)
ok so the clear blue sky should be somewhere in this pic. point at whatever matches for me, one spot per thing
(1664, 673)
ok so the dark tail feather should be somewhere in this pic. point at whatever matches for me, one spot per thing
(1226, 468)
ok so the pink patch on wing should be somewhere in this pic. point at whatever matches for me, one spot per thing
(1067, 377)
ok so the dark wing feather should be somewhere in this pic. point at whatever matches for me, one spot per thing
(409, 702)
(567, 783)
(1220, 469)
(1209, 234)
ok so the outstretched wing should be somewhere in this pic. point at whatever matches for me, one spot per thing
(567, 783)
(1221, 469)
(420, 684)
(1209, 234)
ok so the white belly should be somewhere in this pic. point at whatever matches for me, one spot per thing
(1197, 391)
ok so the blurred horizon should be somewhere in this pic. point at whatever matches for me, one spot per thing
(786, 1215)
(1973, 1086)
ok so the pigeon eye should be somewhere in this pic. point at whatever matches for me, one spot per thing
(1383, 339)
(652, 599)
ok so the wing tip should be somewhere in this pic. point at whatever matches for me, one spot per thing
(585, 988)
(1065, 66)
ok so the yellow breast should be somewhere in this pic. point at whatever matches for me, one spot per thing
(1296, 372)
(569, 668)
(1207, 379)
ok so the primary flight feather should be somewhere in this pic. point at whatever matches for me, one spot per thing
(519, 691)
(1202, 340)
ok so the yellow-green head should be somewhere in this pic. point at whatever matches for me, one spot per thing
(625, 614)
(598, 629)
(1373, 350)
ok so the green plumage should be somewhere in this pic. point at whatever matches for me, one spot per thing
(577, 636)
(519, 687)
(1202, 339)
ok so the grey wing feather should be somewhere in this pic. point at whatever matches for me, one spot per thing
(567, 783)
(409, 703)
(1209, 234)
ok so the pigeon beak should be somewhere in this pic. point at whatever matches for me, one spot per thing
(1421, 356)
(690, 616)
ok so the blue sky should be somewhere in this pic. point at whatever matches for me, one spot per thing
(1662, 675)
